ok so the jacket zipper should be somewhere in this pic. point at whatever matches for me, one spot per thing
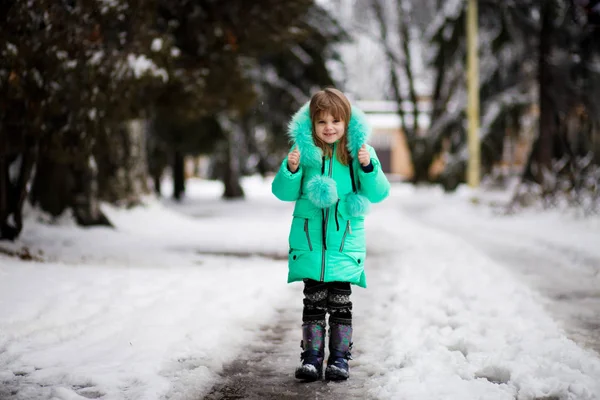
(337, 223)
(346, 232)
(325, 220)
(307, 234)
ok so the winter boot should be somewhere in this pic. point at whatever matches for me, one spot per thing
(340, 344)
(313, 344)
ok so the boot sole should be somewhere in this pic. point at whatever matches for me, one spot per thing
(333, 373)
(308, 374)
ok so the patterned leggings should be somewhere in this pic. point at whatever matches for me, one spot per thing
(323, 297)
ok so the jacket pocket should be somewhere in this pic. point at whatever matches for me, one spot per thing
(305, 209)
(306, 231)
(302, 234)
(346, 233)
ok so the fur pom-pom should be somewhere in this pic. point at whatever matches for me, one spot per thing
(357, 205)
(322, 191)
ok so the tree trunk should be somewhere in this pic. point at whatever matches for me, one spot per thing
(86, 203)
(547, 121)
(122, 164)
(421, 149)
(25, 171)
(422, 154)
(405, 38)
(8, 226)
(231, 174)
(157, 187)
(13, 192)
(439, 104)
(5, 196)
(178, 175)
(254, 147)
(53, 186)
(383, 32)
(157, 155)
(58, 186)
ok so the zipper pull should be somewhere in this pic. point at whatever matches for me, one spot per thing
(349, 228)
(306, 225)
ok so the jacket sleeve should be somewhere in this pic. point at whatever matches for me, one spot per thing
(287, 185)
(374, 185)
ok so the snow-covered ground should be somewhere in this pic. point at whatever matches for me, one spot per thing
(159, 306)
(556, 252)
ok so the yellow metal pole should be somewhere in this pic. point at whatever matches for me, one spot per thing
(473, 167)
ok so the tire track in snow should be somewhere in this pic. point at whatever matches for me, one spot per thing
(565, 276)
(572, 295)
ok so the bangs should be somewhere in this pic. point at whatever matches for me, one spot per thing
(331, 107)
(327, 102)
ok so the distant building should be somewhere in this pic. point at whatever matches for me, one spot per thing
(387, 136)
(389, 140)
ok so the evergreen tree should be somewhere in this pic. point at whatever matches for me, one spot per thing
(75, 75)
(246, 66)
(538, 56)
(70, 71)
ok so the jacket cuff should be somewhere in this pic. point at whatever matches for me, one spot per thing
(289, 174)
(368, 168)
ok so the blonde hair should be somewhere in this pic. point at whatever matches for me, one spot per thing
(334, 102)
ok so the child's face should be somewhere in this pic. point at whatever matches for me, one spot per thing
(329, 129)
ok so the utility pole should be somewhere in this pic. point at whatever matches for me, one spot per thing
(474, 164)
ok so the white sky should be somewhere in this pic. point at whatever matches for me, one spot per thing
(140, 313)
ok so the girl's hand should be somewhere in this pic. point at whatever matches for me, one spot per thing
(364, 158)
(294, 160)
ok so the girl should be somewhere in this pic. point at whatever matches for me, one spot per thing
(333, 176)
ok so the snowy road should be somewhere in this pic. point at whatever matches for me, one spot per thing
(172, 304)
(399, 315)
(263, 371)
(565, 272)
(573, 295)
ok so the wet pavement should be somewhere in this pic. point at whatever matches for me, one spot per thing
(265, 371)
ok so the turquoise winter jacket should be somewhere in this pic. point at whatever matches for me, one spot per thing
(327, 237)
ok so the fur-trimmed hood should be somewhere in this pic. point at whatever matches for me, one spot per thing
(300, 133)
(322, 189)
